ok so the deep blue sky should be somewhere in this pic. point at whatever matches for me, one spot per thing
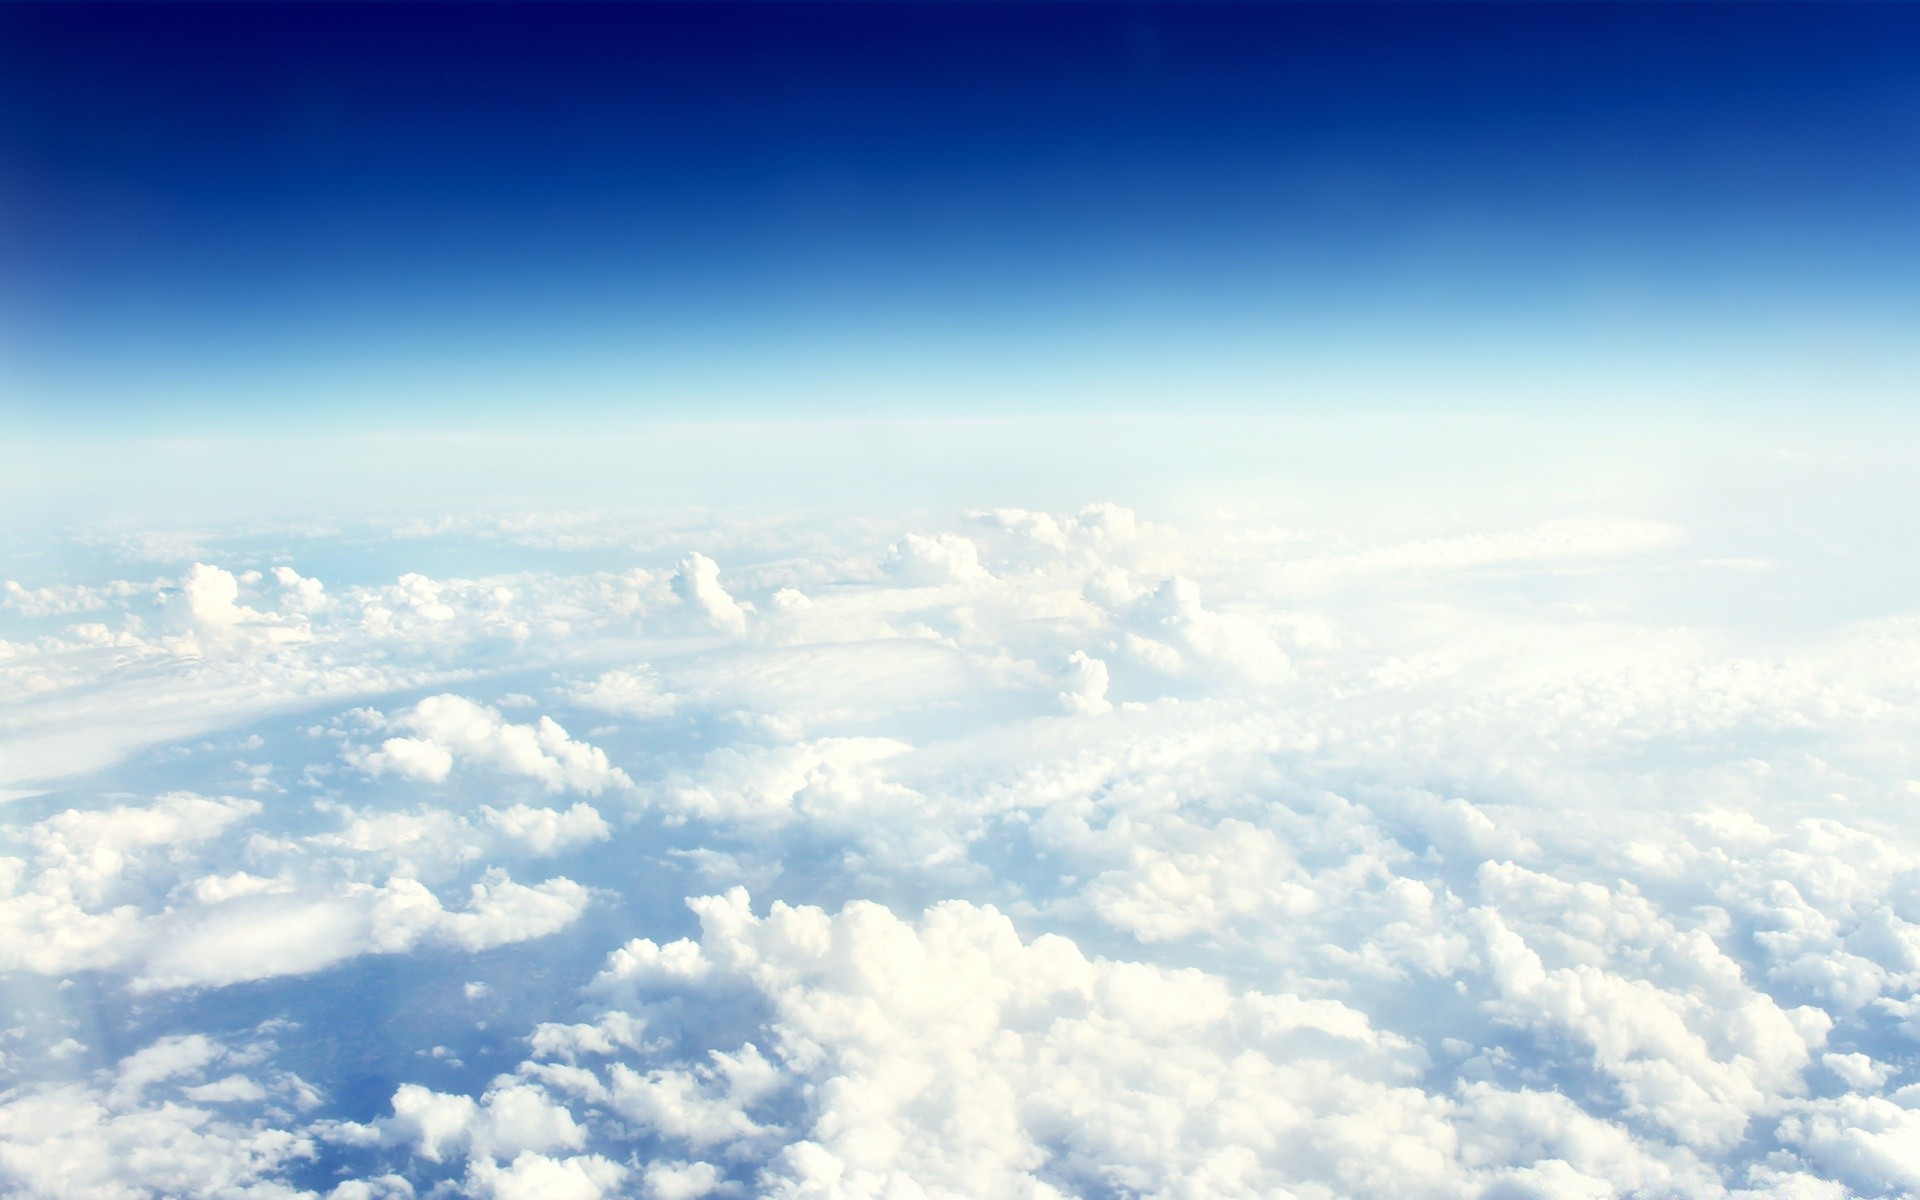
(416, 215)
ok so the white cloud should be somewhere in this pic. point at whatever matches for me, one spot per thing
(1085, 686)
(681, 1180)
(1172, 615)
(1698, 1063)
(929, 561)
(1180, 881)
(144, 1130)
(833, 778)
(1869, 1143)
(232, 1089)
(454, 728)
(436, 1124)
(77, 906)
(206, 613)
(628, 693)
(951, 1057)
(511, 1119)
(548, 830)
(698, 584)
(515, 1122)
(830, 685)
(1858, 1071)
(412, 758)
(537, 1177)
(498, 912)
(227, 648)
(1571, 539)
(299, 593)
(121, 889)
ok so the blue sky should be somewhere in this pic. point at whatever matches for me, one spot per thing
(369, 216)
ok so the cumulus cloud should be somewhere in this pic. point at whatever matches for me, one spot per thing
(295, 934)
(509, 1120)
(533, 1176)
(74, 905)
(627, 693)
(1170, 627)
(698, 584)
(548, 830)
(1085, 688)
(1865, 1140)
(206, 613)
(951, 1057)
(830, 778)
(121, 889)
(413, 758)
(450, 728)
(927, 561)
(150, 1126)
(667, 1180)
(226, 648)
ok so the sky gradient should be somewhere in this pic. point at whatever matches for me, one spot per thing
(285, 216)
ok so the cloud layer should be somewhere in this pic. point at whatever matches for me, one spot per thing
(1041, 855)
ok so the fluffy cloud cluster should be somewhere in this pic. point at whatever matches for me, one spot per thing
(1087, 855)
(128, 890)
(949, 1057)
(449, 727)
(178, 1117)
(193, 891)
